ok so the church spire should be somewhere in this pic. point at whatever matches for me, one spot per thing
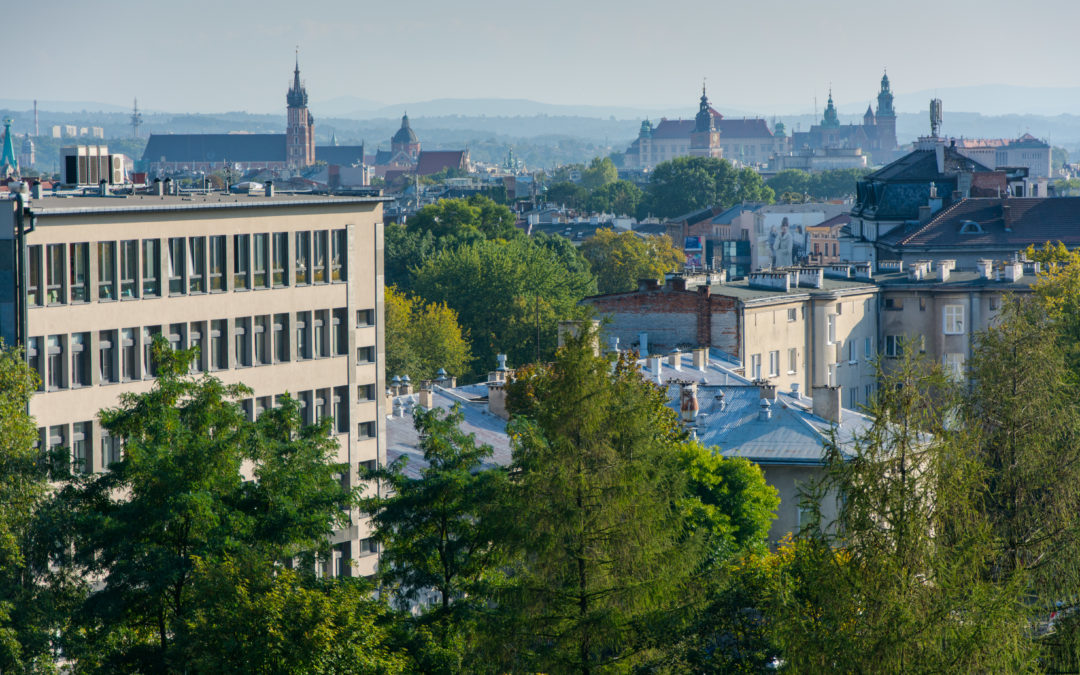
(704, 119)
(831, 119)
(8, 164)
(297, 96)
(885, 98)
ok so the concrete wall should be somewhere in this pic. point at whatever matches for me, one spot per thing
(788, 480)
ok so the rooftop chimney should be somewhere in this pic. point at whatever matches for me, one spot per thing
(426, 396)
(701, 358)
(1014, 270)
(675, 359)
(103, 188)
(35, 189)
(826, 403)
(688, 402)
(269, 188)
(939, 153)
(643, 344)
(765, 410)
(767, 390)
(159, 187)
(925, 212)
(656, 365)
(986, 268)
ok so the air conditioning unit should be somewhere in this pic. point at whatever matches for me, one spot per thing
(116, 166)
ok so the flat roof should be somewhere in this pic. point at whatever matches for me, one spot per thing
(60, 205)
(957, 279)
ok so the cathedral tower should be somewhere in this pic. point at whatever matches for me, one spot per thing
(705, 138)
(886, 116)
(300, 130)
(405, 140)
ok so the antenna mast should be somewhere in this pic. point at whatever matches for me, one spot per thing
(136, 120)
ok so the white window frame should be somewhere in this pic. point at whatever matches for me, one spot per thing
(793, 360)
(952, 320)
(774, 363)
(755, 366)
(831, 327)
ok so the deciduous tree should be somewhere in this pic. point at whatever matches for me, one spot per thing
(422, 337)
(618, 260)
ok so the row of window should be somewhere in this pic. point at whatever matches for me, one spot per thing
(793, 357)
(59, 274)
(124, 355)
(79, 438)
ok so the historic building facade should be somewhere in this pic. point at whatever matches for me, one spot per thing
(876, 136)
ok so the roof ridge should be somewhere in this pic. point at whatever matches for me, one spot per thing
(937, 216)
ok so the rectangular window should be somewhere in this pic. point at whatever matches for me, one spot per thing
(894, 304)
(365, 355)
(241, 262)
(322, 346)
(196, 265)
(176, 336)
(242, 341)
(338, 255)
(217, 263)
(177, 265)
(305, 399)
(953, 319)
(954, 365)
(341, 409)
(319, 245)
(130, 354)
(106, 265)
(755, 366)
(129, 268)
(33, 358)
(868, 348)
(54, 277)
(55, 353)
(261, 340)
(303, 335)
(261, 261)
(793, 360)
(80, 360)
(34, 296)
(80, 272)
(56, 444)
(80, 442)
(368, 547)
(219, 345)
(852, 357)
(110, 449)
(322, 405)
(365, 317)
(922, 304)
(366, 430)
(340, 332)
(774, 363)
(151, 278)
(281, 259)
(365, 392)
(197, 341)
(994, 303)
(831, 319)
(262, 404)
(792, 314)
(149, 364)
(281, 338)
(303, 258)
(894, 346)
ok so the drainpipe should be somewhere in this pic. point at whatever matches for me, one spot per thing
(22, 338)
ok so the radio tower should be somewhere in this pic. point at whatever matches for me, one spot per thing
(36, 132)
(136, 120)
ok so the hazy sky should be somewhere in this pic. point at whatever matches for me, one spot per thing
(203, 56)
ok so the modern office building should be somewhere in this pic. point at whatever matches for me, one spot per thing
(282, 293)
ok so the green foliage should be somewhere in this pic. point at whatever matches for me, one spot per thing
(422, 337)
(619, 197)
(507, 294)
(179, 496)
(567, 194)
(436, 533)
(618, 260)
(464, 217)
(601, 172)
(897, 583)
(605, 560)
(258, 618)
(819, 185)
(688, 184)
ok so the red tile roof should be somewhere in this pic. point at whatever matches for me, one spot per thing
(434, 161)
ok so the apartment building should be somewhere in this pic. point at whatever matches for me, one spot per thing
(282, 293)
(805, 326)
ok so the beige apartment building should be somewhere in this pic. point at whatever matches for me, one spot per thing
(282, 293)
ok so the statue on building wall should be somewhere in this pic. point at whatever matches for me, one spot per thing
(782, 245)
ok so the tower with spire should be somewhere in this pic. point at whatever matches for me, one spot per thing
(705, 138)
(831, 120)
(9, 165)
(300, 129)
(886, 116)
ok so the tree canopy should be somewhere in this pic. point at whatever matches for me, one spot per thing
(688, 184)
(422, 337)
(619, 260)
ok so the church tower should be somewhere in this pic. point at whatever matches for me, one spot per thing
(886, 116)
(405, 140)
(9, 165)
(831, 119)
(300, 130)
(705, 138)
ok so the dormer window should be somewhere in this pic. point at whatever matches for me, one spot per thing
(970, 227)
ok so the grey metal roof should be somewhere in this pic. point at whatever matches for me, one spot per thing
(343, 155)
(402, 439)
(49, 205)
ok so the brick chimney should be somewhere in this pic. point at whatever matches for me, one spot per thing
(767, 390)
(675, 359)
(701, 358)
(426, 397)
(688, 402)
(826, 403)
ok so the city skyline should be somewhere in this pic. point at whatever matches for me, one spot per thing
(765, 59)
